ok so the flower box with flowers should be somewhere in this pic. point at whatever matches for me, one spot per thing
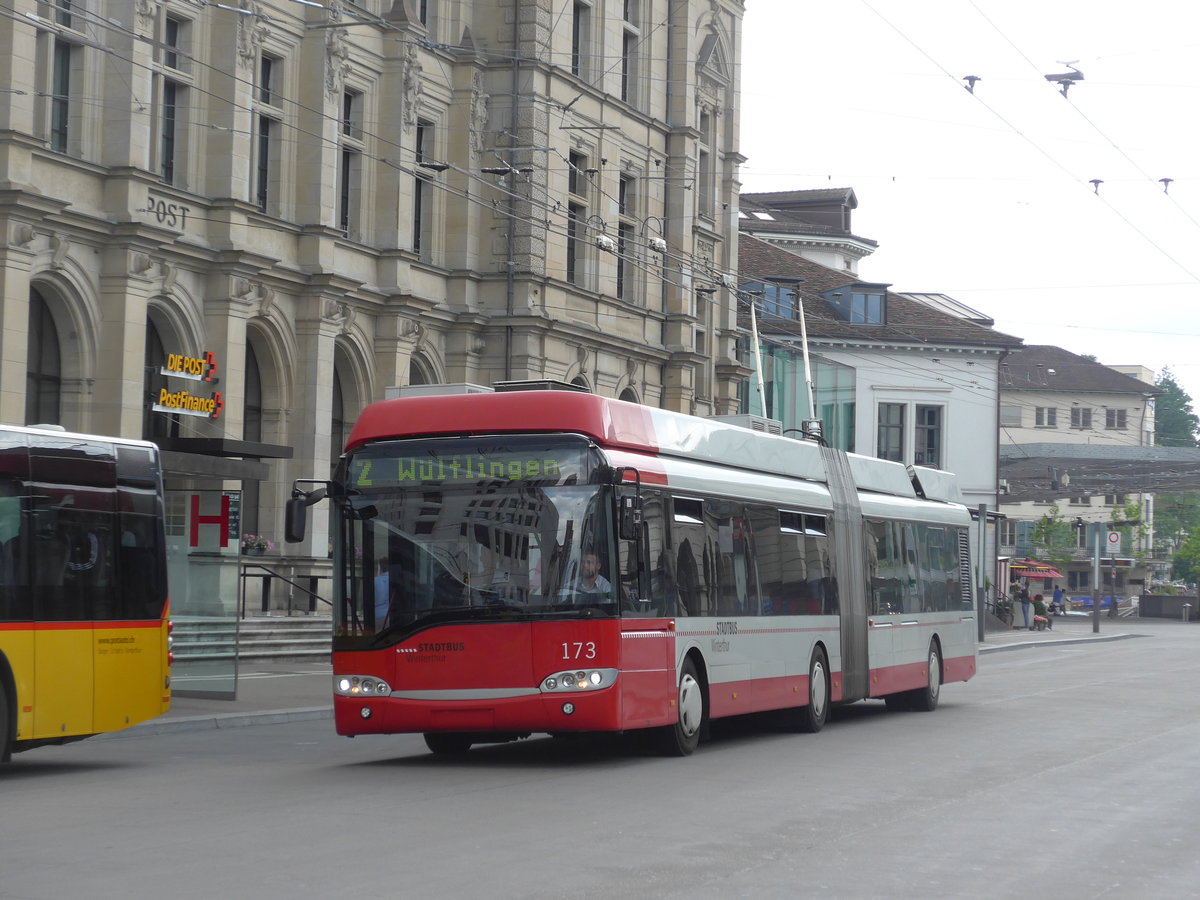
(256, 545)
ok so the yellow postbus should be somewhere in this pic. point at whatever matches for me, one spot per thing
(84, 645)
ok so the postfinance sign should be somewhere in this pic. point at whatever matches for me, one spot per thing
(193, 368)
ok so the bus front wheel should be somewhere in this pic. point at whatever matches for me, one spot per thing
(682, 738)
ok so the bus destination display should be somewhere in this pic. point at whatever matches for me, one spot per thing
(541, 465)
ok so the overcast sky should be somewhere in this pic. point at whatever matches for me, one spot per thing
(988, 196)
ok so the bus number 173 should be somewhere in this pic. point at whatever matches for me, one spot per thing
(582, 650)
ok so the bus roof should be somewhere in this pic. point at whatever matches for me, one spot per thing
(616, 424)
(56, 432)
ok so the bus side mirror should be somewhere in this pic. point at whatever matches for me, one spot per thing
(295, 515)
(295, 520)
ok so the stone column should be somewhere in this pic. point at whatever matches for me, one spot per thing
(322, 316)
(16, 262)
(131, 273)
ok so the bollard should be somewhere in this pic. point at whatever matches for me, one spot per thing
(1186, 607)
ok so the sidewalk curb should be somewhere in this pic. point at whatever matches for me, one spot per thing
(222, 720)
(1024, 645)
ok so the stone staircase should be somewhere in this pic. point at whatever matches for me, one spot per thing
(253, 639)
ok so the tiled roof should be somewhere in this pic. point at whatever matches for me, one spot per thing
(1040, 367)
(818, 213)
(819, 195)
(908, 320)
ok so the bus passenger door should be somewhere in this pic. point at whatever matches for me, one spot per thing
(886, 599)
(67, 546)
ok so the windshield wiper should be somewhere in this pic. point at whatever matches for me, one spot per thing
(460, 614)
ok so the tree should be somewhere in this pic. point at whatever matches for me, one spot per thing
(1053, 538)
(1186, 564)
(1175, 517)
(1175, 424)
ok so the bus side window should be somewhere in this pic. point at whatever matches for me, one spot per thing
(821, 579)
(735, 581)
(691, 594)
(662, 596)
(10, 554)
(768, 558)
(693, 566)
(140, 596)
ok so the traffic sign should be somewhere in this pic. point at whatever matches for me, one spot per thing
(1114, 543)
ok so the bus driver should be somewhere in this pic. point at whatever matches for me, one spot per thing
(590, 579)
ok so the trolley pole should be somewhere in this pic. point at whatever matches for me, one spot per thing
(981, 575)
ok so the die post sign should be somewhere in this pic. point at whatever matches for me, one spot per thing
(202, 369)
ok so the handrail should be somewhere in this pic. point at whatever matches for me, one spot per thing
(266, 593)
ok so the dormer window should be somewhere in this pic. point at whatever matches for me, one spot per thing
(859, 304)
(774, 300)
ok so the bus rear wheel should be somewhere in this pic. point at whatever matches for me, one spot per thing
(811, 717)
(444, 743)
(682, 738)
(926, 699)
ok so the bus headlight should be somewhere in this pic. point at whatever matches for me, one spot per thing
(360, 686)
(575, 681)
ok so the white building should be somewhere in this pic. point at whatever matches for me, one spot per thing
(1050, 396)
(907, 377)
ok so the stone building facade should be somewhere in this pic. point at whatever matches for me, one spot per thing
(324, 200)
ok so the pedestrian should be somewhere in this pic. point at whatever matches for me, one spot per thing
(1057, 607)
(1026, 606)
(1041, 618)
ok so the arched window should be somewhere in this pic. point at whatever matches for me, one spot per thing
(156, 426)
(416, 373)
(252, 430)
(338, 431)
(629, 394)
(43, 383)
(252, 427)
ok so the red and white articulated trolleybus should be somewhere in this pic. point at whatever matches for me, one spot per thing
(551, 561)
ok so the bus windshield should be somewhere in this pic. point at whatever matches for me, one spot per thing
(471, 529)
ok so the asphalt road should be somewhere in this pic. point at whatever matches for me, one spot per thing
(1063, 770)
